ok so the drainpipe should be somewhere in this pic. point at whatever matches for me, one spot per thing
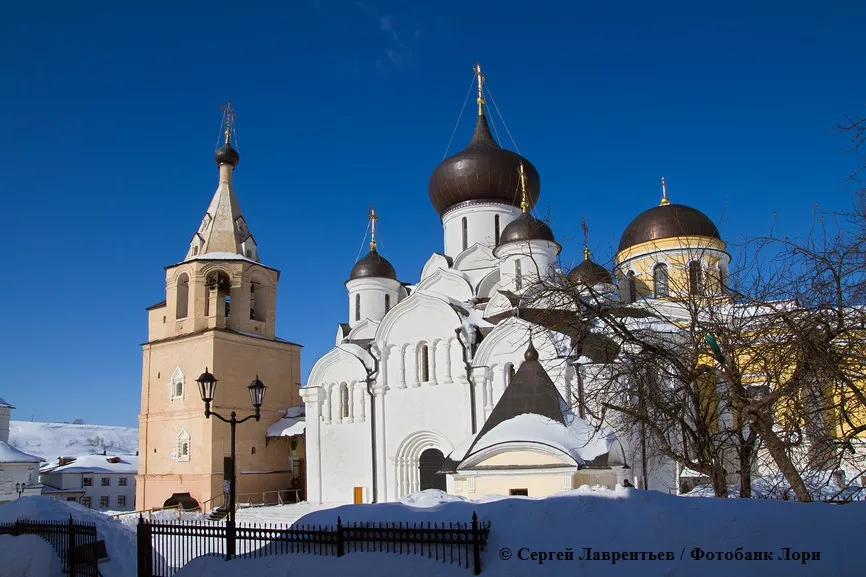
(371, 376)
(468, 367)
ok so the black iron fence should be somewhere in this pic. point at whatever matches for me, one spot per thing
(74, 542)
(165, 547)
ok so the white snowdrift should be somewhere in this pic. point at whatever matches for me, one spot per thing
(119, 539)
(620, 521)
(28, 556)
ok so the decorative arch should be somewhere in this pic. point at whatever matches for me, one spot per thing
(475, 257)
(408, 455)
(554, 453)
(182, 447)
(498, 303)
(488, 284)
(177, 384)
(449, 283)
(418, 299)
(435, 262)
(333, 358)
(366, 329)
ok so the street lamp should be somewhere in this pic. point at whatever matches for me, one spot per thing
(207, 388)
(19, 488)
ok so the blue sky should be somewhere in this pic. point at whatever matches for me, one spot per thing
(110, 120)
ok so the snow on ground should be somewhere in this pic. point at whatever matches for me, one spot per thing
(524, 530)
(278, 514)
(53, 440)
(130, 519)
(821, 486)
(28, 556)
(119, 539)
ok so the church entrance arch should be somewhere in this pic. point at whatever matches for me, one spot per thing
(429, 465)
(408, 462)
(184, 500)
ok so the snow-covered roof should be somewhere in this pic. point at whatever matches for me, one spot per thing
(531, 410)
(360, 353)
(575, 439)
(96, 464)
(5, 404)
(293, 423)
(9, 454)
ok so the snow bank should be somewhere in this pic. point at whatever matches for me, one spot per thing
(28, 556)
(622, 521)
(119, 540)
(52, 440)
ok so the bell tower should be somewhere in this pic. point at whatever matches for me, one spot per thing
(219, 313)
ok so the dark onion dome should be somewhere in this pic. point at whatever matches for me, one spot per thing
(225, 154)
(524, 228)
(589, 273)
(483, 171)
(373, 265)
(667, 221)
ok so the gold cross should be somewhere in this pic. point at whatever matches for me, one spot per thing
(374, 218)
(524, 204)
(230, 115)
(665, 200)
(477, 69)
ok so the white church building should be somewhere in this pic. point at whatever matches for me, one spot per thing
(442, 383)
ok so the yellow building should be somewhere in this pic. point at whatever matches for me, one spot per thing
(218, 314)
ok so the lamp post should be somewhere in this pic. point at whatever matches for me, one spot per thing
(207, 387)
(19, 488)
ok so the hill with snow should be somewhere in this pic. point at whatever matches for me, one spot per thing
(52, 440)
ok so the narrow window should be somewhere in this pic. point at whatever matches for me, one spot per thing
(695, 286)
(465, 232)
(632, 286)
(723, 280)
(252, 301)
(518, 275)
(357, 307)
(182, 306)
(660, 281)
(228, 305)
(496, 229)
(344, 399)
(387, 303)
(509, 375)
(425, 364)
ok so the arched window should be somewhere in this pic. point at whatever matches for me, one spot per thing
(219, 288)
(518, 275)
(496, 229)
(344, 400)
(660, 281)
(695, 281)
(424, 364)
(387, 303)
(182, 446)
(195, 250)
(177, 384)
(182, 305)
(509, 374)
(631, 281)
(723, 279)
(465, 232)
(358, 307)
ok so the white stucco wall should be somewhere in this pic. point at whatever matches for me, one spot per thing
(480, 225)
